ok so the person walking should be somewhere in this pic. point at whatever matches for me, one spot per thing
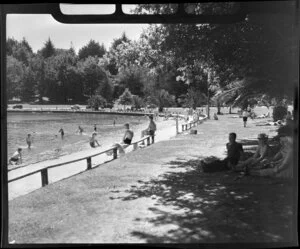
(245, 116)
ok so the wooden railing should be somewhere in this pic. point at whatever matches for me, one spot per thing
(149, 140)
(44, 171)
(188, 126)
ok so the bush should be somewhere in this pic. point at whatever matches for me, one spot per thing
(279, 112)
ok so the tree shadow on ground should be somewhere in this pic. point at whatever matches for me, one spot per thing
(212, 207)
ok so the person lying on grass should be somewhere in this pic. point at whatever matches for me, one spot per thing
(260, 158)
(282, 163)
(126, 141)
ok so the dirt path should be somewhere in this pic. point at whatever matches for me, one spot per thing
(158, 195)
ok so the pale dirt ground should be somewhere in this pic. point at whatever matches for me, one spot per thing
(158, 195)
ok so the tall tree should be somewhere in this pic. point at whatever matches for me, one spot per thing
(93, 48)
(48, 50)
(126, 98)
(93, 75)
(14, 77)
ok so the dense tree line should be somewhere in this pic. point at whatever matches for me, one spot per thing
(170, 64)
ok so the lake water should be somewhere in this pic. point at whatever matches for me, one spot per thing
(47, 143)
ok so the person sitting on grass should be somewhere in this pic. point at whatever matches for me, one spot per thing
(126, 141)
(16, 157)
(260, 157)
(234, 152)
(94, 141)
(282, 164)
(150, 130)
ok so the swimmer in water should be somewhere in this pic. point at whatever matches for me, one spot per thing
(93, 141)
(62, 133)
(29, 140)
(80, 130)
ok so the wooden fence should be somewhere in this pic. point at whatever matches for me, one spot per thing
(44, 171)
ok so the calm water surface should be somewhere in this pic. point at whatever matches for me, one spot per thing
(47, 143)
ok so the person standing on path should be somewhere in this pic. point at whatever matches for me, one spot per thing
(245, 116)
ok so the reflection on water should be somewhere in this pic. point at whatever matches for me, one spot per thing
(47, 143)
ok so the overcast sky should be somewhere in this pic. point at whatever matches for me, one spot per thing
(37, 28)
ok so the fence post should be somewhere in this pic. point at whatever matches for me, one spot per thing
(152, 139)
(148, 140)
(115, 153)
(182, 128)
(134, 146)
(177, 124)
(89, 163)
(44, 173)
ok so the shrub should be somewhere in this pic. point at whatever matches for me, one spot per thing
(279, 112)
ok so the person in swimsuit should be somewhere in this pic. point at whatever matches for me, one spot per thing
(16, 157)
(94, 141)
(126, 141)
(80, 130)
(62, 133)
(150, 130)
(29, 140)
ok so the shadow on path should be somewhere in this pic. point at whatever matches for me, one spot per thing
(212, 207)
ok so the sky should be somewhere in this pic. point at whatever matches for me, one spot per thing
(37, 28)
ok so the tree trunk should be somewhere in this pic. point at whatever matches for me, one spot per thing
(208, 84)
(219, 108)
(230, 109)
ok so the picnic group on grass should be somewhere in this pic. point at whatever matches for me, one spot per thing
(273, 161)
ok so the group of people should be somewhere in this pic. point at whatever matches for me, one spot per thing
(128, 136)
(16, 158)
(263, 162)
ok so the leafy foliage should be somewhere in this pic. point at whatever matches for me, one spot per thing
(97, 101)
(91, 49)
(126, 98)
